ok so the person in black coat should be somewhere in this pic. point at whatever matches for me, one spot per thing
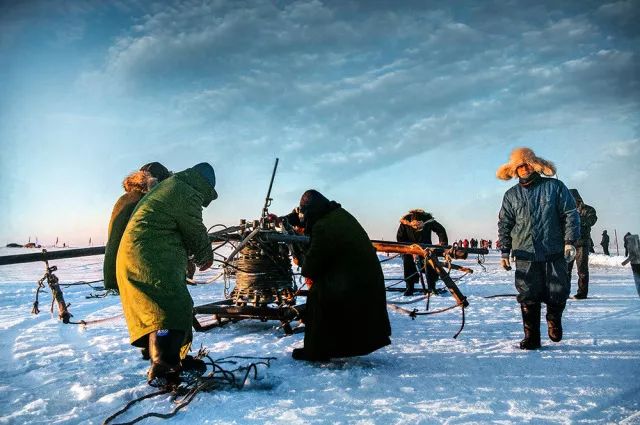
(416, 226)
(626, 243)
(346, 310)
(588, 218)
(605, 242)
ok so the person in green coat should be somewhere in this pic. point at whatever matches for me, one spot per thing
(346, 311)
(135, 185)
(164, 230)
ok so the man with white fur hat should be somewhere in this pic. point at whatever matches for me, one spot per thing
(538, 225)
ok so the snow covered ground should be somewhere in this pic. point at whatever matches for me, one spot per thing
(51, 373)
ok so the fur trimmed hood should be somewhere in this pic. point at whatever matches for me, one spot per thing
(139, 181)
(416, 216)
(520, 156)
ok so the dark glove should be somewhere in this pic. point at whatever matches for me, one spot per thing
(293, 218)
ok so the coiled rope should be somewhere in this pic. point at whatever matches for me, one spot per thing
(218, 378)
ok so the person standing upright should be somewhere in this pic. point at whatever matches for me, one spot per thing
(588, 218)
(605, 242)
(538, 225)
(416, 227)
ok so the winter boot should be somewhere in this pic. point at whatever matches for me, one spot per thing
(410, 289)
(190, 366)
(164, 351)
(531, 322)
(554, 321)
(301, 354)
(145, 353)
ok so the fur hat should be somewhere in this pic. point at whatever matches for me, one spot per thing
(139, 181)
(416, 218)
(520, 156)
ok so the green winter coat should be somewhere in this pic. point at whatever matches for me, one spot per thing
(346, 312)
(122, 211)
(165, 227)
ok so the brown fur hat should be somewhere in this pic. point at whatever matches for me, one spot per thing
(416, 218)
(139, 181)
(520, 156)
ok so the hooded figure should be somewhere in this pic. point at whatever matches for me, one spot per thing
(588, 218)
(165, 228)
(626, 239)
(136, 185)
(416, 227)
(605, 242)
(538, 224)
(346, 312)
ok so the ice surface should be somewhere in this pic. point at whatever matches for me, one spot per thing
(56, 373)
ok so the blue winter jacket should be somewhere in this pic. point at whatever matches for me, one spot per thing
(536, 221)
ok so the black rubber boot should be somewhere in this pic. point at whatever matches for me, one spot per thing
(192, 366)
(410, 290)
(554, 321)
(164, 351)
(145, 353)
(301, 354)
(531, 322)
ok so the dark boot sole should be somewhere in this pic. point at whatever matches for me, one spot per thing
(529, 346)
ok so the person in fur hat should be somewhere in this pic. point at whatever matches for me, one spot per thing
(135, 185)
(538, 225)
(416, 227)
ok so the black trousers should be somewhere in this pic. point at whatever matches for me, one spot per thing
(542, 282)
(605, 248)
(411, 275)
(582, 264)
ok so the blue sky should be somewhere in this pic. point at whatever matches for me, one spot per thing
(381, 105)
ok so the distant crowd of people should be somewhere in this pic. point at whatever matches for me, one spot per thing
(475, 243)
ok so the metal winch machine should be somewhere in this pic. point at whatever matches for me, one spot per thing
(261, 267)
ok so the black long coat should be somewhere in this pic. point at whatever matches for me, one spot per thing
(346, 311)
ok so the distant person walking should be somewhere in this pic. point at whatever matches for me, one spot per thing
(588, 218)
(538, 225)
(605, 242)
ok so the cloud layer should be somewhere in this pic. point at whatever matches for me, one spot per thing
(352, 86)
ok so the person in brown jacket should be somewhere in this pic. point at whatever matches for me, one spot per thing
(135, 185)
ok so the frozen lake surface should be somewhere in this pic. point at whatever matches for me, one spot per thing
(51, 373)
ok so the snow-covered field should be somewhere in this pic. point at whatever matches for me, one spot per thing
(51, 373)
